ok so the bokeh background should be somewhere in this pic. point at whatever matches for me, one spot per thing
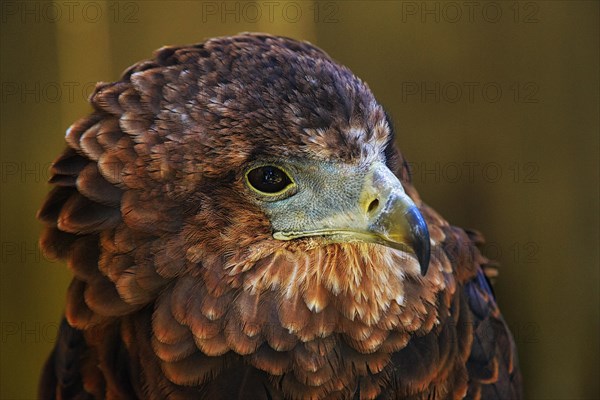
(496, 104)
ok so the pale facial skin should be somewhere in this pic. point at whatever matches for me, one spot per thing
(339, 203)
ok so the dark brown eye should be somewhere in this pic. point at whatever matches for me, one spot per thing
(268, 179)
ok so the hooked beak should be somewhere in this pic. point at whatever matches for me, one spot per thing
(400, 225)
(384, 215)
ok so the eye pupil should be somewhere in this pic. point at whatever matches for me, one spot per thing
(268, 179)
(272, 176)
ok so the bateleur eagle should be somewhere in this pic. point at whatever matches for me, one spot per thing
(241, 225)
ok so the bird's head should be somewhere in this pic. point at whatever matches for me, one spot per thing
(294, 140)
(284, 158)
(253, 170)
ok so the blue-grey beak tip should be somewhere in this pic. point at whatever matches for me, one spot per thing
(420, 238)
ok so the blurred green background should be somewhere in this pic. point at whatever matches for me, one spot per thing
(496, 104)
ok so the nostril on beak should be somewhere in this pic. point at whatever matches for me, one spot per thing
(373, 205)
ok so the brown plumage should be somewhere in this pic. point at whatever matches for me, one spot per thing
(181, 289)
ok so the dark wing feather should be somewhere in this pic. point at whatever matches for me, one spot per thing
(61, 377)
(492, 365)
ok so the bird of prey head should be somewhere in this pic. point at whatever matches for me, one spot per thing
(240, 224)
